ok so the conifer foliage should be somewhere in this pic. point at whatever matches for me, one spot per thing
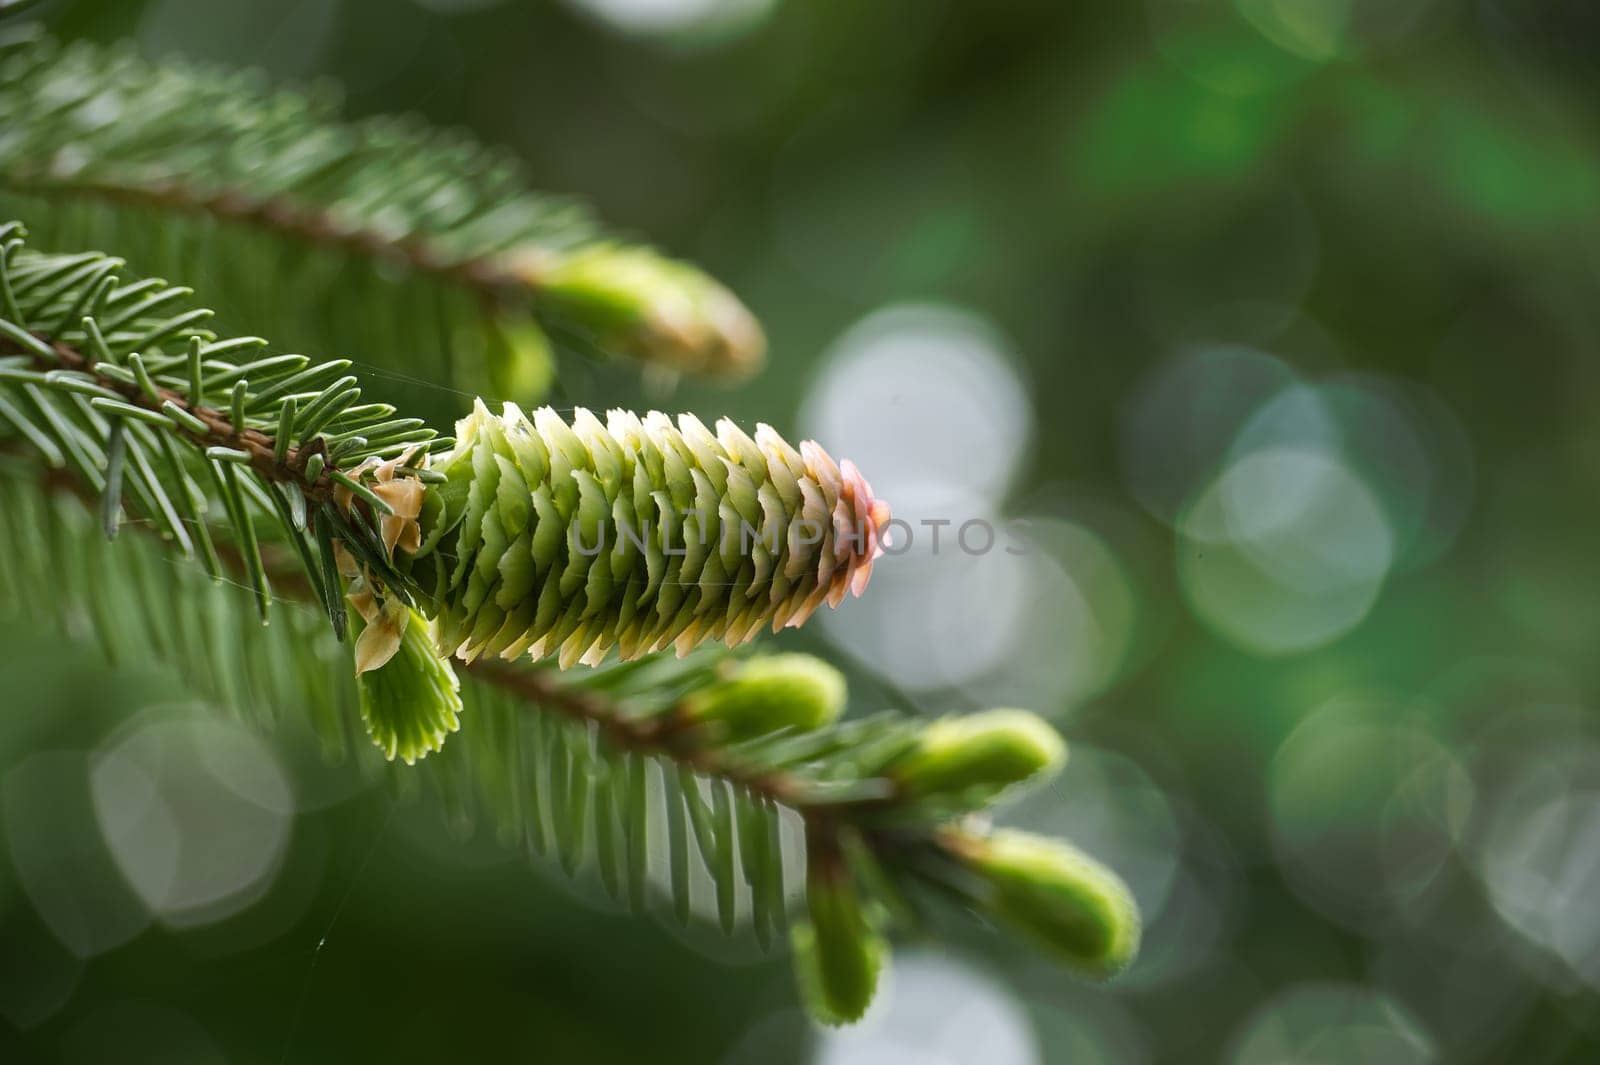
(359, 235)
(491, 608)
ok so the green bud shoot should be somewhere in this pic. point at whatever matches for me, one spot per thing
(636, 300)
(769, 693)
(988, 751)
(517, 354)
(1075, 908)
(411, 702)
(838, 952)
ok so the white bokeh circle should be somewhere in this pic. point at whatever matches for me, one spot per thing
(935, 1010)
(196, 814)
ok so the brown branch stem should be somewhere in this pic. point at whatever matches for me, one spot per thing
(664, 734)
(220, 430)
(486, 275)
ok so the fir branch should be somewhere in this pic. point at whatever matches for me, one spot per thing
(118, 385)
(672, 734)
(121, 382)
(204, 427)
(151, 149)
(557, 760)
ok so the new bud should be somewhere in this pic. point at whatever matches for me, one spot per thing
(410, 701)
(985, 752)
(636, 301)
(1074, 907)
(838, 953)
(769, 693)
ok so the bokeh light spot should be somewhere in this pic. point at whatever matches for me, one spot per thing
(59, 858)
(1404, 443)
(700, 19)
(1286, 551)
(938, 617)
(1333, 1024)
(1178, 426)
(1540, 855)
(1077, 612)
(923, 398)
(935, 1010)
(1364, 812)
(1311, 29)
(197, 815)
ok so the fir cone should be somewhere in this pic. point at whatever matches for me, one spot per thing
(635, 535)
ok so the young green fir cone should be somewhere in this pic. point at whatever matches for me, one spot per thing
(1066, 902)
(633, 535)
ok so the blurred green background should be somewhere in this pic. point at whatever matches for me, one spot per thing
(1268, 328)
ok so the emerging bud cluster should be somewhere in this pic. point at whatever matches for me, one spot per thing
(410, 700)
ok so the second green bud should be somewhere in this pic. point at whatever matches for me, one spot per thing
(763, 695)
(980, 754)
